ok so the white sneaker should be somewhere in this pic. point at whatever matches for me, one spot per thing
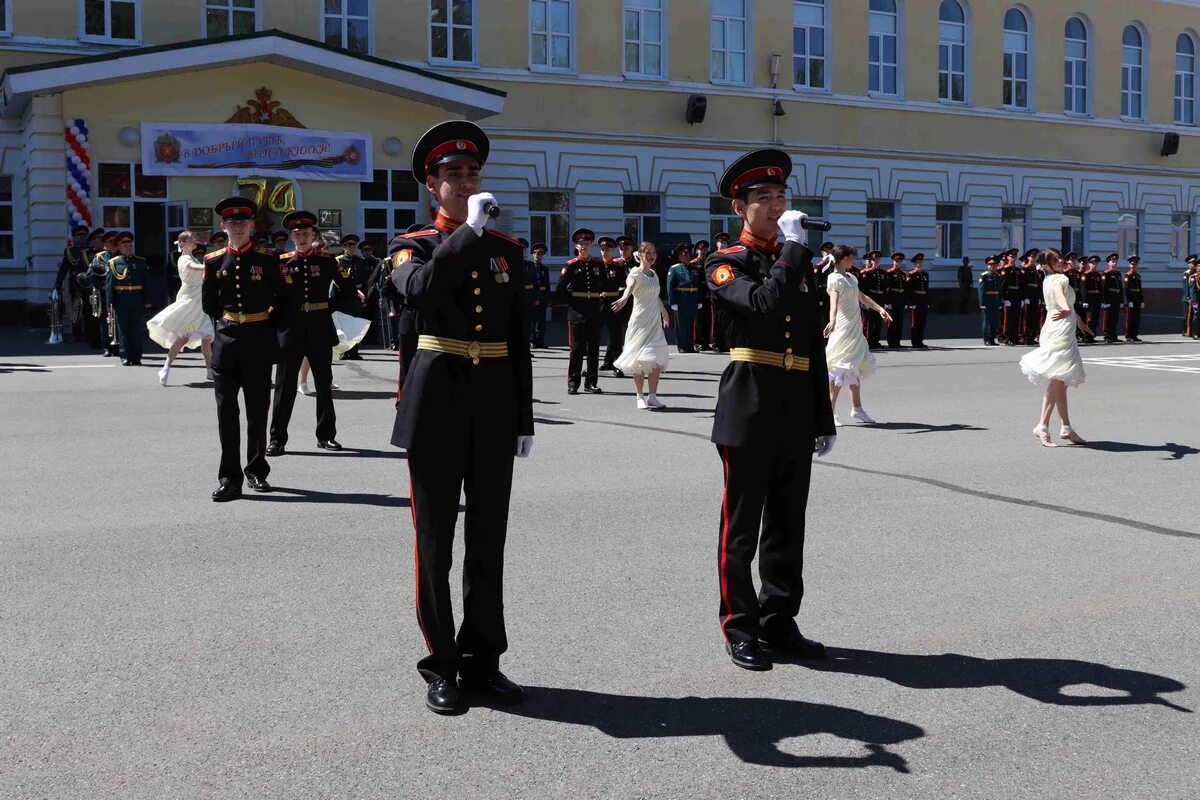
(163, 374)
(654, 402)
(862, 416)
(304, 390)
(209, 374)
(641, 403)
(837, 423)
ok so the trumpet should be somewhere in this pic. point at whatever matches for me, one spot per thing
(55, 318)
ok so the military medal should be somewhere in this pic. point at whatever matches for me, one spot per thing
(499, 266)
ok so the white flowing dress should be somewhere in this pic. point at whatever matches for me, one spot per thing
(350, 331)
(849, 357)
(1058, 356)
(645, 343)
(185, 318)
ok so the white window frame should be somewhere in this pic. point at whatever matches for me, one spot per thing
(946, 226)
(1133, 74)
(1124, 248)
(1083, 229)
(14, 205)
(548, 216)
(745, 51)
(107, 38)
(641, 216)
(1184, 106)
(950, 46)
(389, 206)
(642, 42)
(1008, 226)
(880, 64)
(1087, 69)
(570, 35)
(1189, 230)
(826, 46)
(7, 30)
(450, 26)
(874, 229)
(227, 5)
(726, 219)
(345, 16)
(1012, 81)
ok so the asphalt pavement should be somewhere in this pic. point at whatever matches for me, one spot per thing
(1003, 620)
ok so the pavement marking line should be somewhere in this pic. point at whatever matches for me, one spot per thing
(41, 367)
(950, 487)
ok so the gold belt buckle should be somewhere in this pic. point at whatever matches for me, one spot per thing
(788, 360)
(304, 308)
(473, 352)
(241, 318)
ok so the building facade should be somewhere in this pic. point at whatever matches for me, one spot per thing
(952, 127)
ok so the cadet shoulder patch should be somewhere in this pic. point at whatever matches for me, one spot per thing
(722, 275)
(215, 254)
(401, 257)
(291, 254)
(737, 248)
(564, 272)
(573, 260)
(420, 233)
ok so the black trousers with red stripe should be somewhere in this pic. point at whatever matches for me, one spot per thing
(765, 485)
(583, 338)
(476, 459)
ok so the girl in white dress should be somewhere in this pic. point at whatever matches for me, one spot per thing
(645, 354)
(184, 323)
(1056, 362)
(848, 356)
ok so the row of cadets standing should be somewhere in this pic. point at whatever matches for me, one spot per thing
(581, 286)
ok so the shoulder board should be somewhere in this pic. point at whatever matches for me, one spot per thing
(288, 254)
(574, 260)
(215, 253)
(503, 236)
(113, 260)
(420, 233)
(737, 248)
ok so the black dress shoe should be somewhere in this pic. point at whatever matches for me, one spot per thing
(593, 389)
(258, 484)
(442, 697)
(495, 686)
(330, 444)
(617, 373)
(226, 492)
(572, 389)
(748, 655)
(797, 646)
(275, 449)
(125, 362)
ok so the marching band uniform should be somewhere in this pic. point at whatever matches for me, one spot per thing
(1091, 297)
(683, 298)
(96, 277)
(894, 280)
(75, 259)
(916, 289)
(305, 331)
(772, 405)
(1134, 302)
(125, 288)
(989, 303)
(1113, 297)
(614, 286)
(581, 286)
(240, 289)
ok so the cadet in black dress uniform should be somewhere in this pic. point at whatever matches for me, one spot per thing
(1112, 297)
(357, 271)
(1134, 300)
(1090, 279)
(306, 331)
(625, 246)
(1031, 298)
(541, 296)
(894, 280)
(873, 283)
(125, 287)
(241, 286)
(614, 286)
(581, 287)
(466, 409)
(773, 411)
(704, 318)
(916, 292)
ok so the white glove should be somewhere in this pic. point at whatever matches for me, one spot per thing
(790, 227)
(824, 445)
(524, 446)
(1007, 303)
(675, 307)
(1024, 302)
(1131, 305)
(477, 210)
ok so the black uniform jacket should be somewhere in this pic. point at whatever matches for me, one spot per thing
(916, 288)
(307, 279)
(768, 305)
(582, 286)
(356, 271)
(469, 288)
(246, 282)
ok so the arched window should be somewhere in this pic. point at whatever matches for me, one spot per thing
(1185, 80)
(1075, 69)
(1132, 72)
(883, 48)
(1016, 59)
(952, 52)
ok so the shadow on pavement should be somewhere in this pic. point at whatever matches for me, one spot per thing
(753, 728)
(552, 421)
(921, 427)
(359, 394)
(350, 452)
(1174, 451)
(281, 494)
(4, 368)
(1041, 679)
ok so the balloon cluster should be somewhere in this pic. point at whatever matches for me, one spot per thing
(79, 170)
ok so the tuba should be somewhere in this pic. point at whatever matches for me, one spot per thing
(56, 305)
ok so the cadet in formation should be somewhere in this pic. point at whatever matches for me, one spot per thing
(581, 287)
(125, 287)
(1092, 304)
(894, 281)
(75, 259)
(357, 272)
(872, 283)
(1134, 300)
(989, 301)
(703, 338)
(1112, 297)
(614, 271)
(683, 298)
(916, 292)
(541, 295)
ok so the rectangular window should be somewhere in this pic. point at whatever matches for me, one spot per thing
(1131, 82)
(952, 62)
(1185, 82)
(389, 206)
(112, 20)
(550, 221)
(1016, 69)
(814, 207)
(1129, 233)
(228, 17)
(881, 226)
(7, 246)
(642, 216)
(452, 31)
(1181, 236)
(808, 44)
(727, 41)
(721, 219)
(1012, 228)
(5, 18)
(1074, 230)
(644, 38)
(950, 232)
(347, 24)
(550, 34)
(1075, 77)
(883, 57)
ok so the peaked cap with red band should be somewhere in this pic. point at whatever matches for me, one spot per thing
(449, 141)
(766, 167)
(300, 219)
(237, 208)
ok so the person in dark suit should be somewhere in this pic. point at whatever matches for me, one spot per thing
(244, 293)
(773, 412)
(465, 411)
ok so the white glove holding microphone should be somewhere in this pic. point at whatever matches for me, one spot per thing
(791, 225)
(477, 206)
(824, 445)
(524, 446)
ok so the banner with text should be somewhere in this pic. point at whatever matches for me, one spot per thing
(178, 149)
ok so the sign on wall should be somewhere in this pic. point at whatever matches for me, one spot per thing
(182, 149)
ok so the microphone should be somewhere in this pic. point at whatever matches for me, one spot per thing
(811, 224)
(493, 210)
